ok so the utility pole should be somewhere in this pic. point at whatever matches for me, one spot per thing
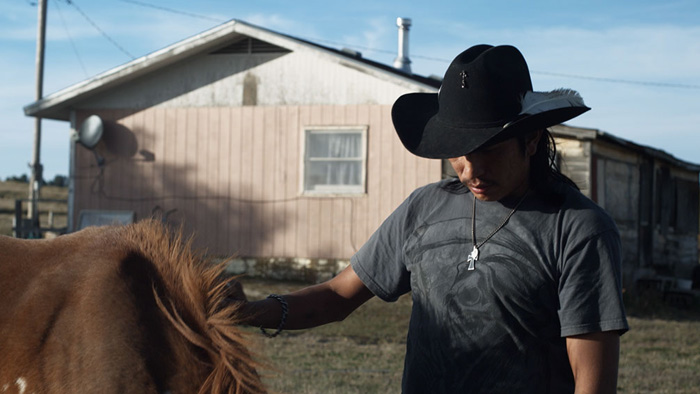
(37, 168)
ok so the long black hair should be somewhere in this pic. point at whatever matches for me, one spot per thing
(544, 170)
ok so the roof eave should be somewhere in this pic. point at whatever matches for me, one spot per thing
(57, 105)
(591, 134)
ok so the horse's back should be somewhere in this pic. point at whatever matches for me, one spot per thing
(73, 319)
(78, 315)
(117, 310)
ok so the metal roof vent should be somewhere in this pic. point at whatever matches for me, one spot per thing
(402, 62)
(351, 53)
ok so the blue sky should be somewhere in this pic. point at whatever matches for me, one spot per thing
(636, 63)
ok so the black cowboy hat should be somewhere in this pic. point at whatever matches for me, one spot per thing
(486, 96)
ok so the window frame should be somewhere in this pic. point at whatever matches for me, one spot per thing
(335, 190)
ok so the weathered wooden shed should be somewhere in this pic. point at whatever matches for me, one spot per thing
(652, 196)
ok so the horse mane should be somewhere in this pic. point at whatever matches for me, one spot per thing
(194, 300)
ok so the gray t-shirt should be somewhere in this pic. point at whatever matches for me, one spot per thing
(552, 271)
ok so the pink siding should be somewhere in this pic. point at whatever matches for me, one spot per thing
(233, 176)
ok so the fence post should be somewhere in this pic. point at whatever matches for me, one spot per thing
(17, 228)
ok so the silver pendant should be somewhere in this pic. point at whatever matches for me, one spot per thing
(473, 257)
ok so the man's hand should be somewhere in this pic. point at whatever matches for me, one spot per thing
(234, 291)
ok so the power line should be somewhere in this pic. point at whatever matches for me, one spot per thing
(626, 81)
(430, 58)
(157, 7)
(110, 39)
(573, 76)
(72, 43)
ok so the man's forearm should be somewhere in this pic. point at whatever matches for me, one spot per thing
(312, 306)
(594, 361)
(307, 308)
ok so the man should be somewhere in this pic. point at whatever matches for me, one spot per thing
(514, 274)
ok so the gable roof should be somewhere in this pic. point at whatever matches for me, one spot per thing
(225, 38)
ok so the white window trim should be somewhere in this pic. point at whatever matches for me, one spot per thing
(334, 190)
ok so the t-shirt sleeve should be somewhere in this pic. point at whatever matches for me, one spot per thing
(380, 263)
(590, 286)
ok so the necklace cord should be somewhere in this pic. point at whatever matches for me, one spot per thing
(477, 246)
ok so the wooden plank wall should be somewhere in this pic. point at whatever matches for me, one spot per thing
(618, 193)
(576, 162)
(675, 239)
(232, 175)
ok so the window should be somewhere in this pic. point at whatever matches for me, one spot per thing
(334, 160)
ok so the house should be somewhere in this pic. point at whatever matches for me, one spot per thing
(282, 152)
(272, 148)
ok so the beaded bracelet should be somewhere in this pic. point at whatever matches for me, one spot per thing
(285, 310)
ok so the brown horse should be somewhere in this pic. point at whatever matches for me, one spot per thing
(118, 310)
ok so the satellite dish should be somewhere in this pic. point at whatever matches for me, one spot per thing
(90, 131)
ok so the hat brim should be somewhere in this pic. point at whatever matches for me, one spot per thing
(420, 129)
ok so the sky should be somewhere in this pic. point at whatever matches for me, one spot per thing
(636, 63)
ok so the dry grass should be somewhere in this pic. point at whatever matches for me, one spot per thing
(660, 356)
(661, 352)
(10, 191)
(364, 354)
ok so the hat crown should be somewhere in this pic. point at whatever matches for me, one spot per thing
(484, 86)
